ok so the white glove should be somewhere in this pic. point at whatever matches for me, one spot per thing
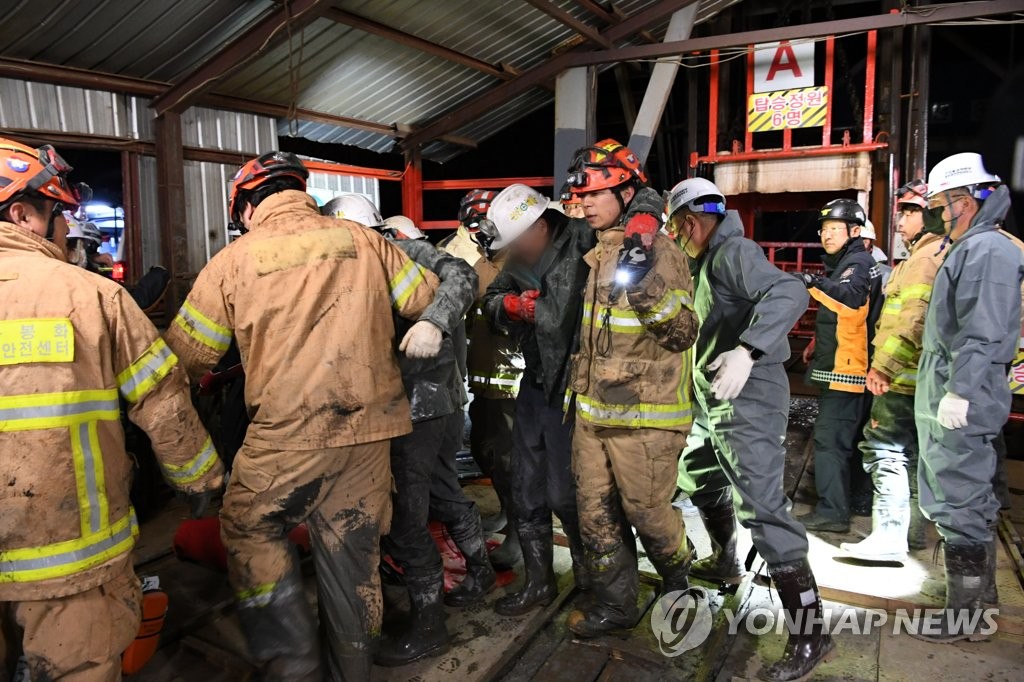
(733, 371)
(953, 411)
(423, 340)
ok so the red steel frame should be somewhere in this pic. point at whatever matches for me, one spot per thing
(413, 186)
(748, 153)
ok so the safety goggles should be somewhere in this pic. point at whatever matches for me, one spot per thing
(917, 187)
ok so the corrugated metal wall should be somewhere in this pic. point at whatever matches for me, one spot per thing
(42, 106)
(326, 186)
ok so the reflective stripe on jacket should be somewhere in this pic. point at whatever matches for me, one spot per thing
(495, 361)
(901, 324)
(850, 300)
(71, 345)
(633, 367)
(309, 300)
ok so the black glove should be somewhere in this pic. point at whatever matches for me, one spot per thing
(809, 279)
(635, 262)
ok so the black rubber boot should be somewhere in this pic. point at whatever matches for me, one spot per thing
(469, 538)
(280, 631)
(990, 595)
(539, 588)
(917, 534)
(966, 582)
(615, 585)
(810, 645)
(675, 570)
(723, 566)
(509, 553)
(815, 521)
(426, 635)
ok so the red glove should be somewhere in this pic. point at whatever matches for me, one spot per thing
(644, 226)
(521, 307)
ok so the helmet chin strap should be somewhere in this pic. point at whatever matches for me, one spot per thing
(51, 226)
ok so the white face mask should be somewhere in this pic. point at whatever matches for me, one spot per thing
(77, 254)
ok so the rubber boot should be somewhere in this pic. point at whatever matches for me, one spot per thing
(888, 539)
(480, 578)
(540, 587)
(493, 523)
(723, 566)
(810, 645)
(917, 534)
(426, 635)
(675, 570)
(615, 586)
(990, 595)
(280, 631)
(966, 578)
(509, 553)
(580, 574)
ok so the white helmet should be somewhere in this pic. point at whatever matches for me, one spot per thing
(686, 193)
(868, 231)
(404, 226)
(354, 207)
(81, 229)
(965, 169)
(513, 211)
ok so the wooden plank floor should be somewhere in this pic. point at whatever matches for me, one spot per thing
(202, 640)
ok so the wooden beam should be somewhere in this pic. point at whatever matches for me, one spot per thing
(417, 43)
(455, 119)
(267, 31)
(566, 19)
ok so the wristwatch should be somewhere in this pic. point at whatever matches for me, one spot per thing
(755, 354)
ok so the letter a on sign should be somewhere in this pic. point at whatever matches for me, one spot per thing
(783, 66)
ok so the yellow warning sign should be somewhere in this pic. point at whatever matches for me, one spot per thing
(801, 108)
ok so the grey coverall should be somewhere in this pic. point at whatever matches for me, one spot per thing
(423, 462)
(970, 337)
(736, 447)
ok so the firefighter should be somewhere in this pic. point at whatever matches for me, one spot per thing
(423, 462)
(572, 206)
(889, 446)
(631, 380)
(308, 299)
(71, 342)
(537, 299)
(849, 295)
(495, 366)
(746, 308)
(962, 401)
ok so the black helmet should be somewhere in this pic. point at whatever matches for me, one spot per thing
(847, 210)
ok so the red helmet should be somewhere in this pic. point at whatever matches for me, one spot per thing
(474, 206)
(40, 172)
(914, 193)
(606, 165)
(260, 170)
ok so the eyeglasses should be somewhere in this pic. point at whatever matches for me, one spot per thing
(834, 228)
(939, 207)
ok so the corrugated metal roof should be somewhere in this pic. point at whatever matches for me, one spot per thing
(341, 70)
(158, 40)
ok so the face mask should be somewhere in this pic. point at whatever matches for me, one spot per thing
(933, 221)
(77, 254)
